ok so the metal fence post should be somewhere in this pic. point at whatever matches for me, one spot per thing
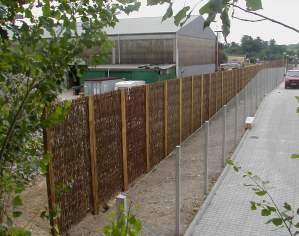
(121, 207)
(178, 189)
(256, 94)
(224, 135)
(206, 151)
(266, 85)
(236, 118)
(245, 100)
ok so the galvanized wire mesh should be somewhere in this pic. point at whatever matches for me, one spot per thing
(215, 147)
(192, 181)
(230, 126)
(197, 119)
(186, 107)
(173, 114)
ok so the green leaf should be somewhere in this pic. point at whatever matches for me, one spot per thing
(294, 156)
(297, 110)
(261, 193)
(209, 20)
(296, 225)
(265, 212)
(14, 231)
(205, 9)
(298, 211)
(254, 5)
(156, 2)
(230, 162)
(225, 22)
(297, 97)
(16, 214)
(287, 206)
(44, 163)
(168, 13)
(181, 15)
(236, 168)
(253, 206)
(277, 221)
(17, 201)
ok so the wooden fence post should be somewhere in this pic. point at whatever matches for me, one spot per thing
(147, 129)
(192, 104)
(222, 89)
(93, 154)
(50, 181)
(210, 92)
(201, 101)
(166, 118)
(124, 139)
(216, 91)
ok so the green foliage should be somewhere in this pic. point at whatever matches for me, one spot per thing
(254, 5)
(127, 224)
(294, 156)
(281, 217)
(226, 10)
(257, 49)
(181, 17)
(223, 8)
(35, 53)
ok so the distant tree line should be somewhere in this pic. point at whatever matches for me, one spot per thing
(258, 49)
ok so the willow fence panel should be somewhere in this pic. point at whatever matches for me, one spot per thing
(136, 132)
(156, 123)
(107, 116)
(70, 166)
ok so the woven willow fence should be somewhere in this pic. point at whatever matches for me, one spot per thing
(107, 141)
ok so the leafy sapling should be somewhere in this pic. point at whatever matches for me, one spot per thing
(280, 216)
(124, 224)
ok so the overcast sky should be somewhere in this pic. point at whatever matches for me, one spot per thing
(286, 11)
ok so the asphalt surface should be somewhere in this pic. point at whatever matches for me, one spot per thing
(265, 151)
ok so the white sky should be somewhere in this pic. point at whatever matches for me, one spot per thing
(286, 11)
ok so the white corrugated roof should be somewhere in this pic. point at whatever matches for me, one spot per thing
(145, 25)
(155, 25)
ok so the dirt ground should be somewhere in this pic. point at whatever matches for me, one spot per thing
(152, 195)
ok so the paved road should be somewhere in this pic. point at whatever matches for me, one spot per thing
(265, 151)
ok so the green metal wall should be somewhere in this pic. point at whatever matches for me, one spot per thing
(148, 76)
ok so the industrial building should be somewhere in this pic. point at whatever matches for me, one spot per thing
(150, 41)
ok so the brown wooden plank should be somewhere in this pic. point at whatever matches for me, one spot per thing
(147, 128)
(192, 103)
(50, 181)
(124, 139)
(166, 117)
(93, 155)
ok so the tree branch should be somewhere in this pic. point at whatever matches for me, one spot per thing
(247, 20)
(265, 17)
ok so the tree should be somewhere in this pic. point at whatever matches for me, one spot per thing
(225, 9)
(259, 49)
(38, 40)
